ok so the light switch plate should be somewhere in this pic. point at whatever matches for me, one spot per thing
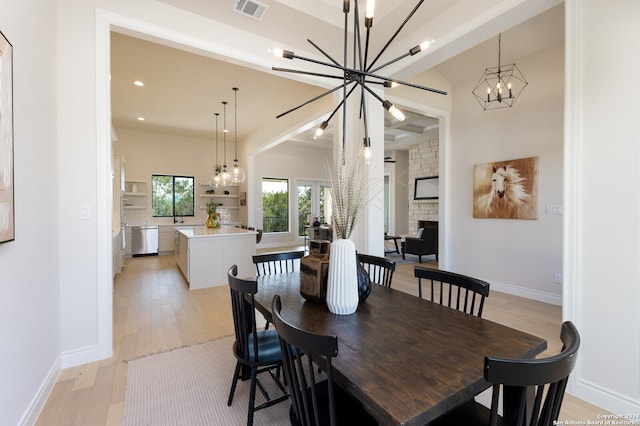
(85, 211)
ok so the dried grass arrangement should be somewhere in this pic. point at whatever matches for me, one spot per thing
(349, 192)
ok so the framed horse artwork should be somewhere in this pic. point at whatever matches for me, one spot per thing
(506, 189)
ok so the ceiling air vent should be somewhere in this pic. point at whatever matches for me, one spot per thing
(251, 8)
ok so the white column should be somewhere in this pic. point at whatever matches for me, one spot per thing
(368, 235)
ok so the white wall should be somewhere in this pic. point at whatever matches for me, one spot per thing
(292, 162)
(515, 256)
(29, 279)
(399, 192)
(602, 183)
(148, 153)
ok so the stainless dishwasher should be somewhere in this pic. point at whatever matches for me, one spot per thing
(144, 240)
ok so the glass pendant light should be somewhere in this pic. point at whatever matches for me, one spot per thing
(214, 180)
(237, 174)
(225, 177)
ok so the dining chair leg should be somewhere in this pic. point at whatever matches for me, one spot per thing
(262, 389)
(236, 376)
(252, 396)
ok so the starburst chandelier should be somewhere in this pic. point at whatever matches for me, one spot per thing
(360, 72)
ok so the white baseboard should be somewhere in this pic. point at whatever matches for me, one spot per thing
(40, 398)
(540, 296)
(81, 356)
(610, 401)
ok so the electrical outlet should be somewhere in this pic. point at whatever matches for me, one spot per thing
(557, 278)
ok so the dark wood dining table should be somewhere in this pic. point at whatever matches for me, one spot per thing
(406, 359)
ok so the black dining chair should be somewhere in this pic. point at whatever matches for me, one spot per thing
(380, 270)
(256, 350)
(315, 398)
(277, 263)
(456, 291)
(546, 378)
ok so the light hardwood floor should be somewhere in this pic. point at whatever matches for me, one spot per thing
(153, 310)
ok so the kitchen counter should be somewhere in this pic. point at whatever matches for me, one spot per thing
(202, 231)
(204, 255)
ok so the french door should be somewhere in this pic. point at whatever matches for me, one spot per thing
(314, 201)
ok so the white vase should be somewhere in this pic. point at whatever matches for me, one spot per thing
(342, 280)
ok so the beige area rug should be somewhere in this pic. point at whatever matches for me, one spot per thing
(190, 386)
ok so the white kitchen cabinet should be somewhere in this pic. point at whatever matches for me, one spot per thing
(182, 253)
(116, 254)
(127, 236)
(205, 254)
(166, 239)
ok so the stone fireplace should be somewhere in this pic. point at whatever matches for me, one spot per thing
(423, 162)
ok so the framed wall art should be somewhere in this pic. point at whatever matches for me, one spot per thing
(7, 221)
(506, 189)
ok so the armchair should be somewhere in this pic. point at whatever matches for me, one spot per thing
(423, 244)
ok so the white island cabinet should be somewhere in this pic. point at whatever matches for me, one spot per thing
(205, 254)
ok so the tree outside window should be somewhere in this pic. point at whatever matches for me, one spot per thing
(275, 205)
(172, 196)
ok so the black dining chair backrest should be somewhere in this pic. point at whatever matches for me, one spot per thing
(456, 291)
(315, 398)
(546, 377)
(380, 270)
(277, 263)
(256, 350)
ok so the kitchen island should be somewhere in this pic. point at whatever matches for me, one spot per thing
(205, 254)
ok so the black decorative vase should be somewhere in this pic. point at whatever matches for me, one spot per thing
(364, 283)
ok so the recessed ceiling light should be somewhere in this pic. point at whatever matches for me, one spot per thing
(140, 118)
(138, 83)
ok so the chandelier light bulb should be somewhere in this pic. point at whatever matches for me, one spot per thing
(425, 44)
(281, 53)
(367, 150)
(320, 130)
(370, 9)
(368, 13)
(399, 115)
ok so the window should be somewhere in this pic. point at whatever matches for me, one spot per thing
(172, 196)
(275, 205)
